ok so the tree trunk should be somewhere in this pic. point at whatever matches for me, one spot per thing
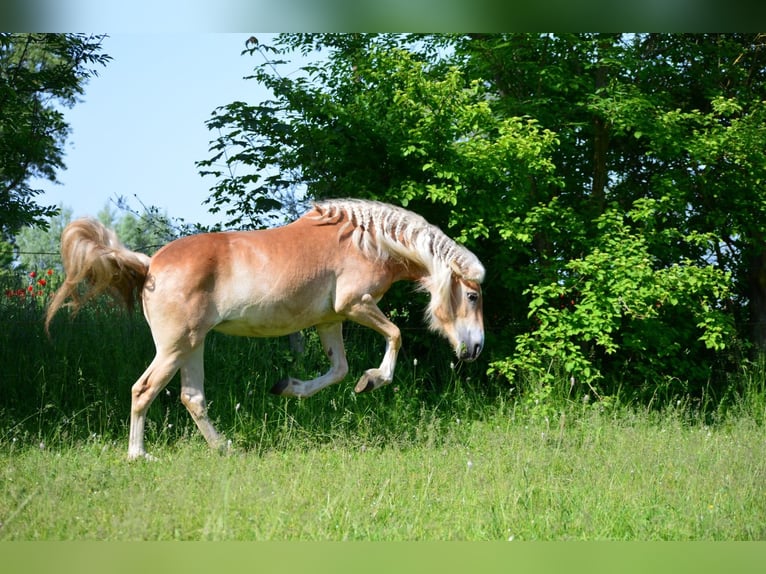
(600, 170)
(600, 148)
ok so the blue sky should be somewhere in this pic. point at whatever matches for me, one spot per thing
(141, 125)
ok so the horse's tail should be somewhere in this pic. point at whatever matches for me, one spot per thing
(93, 255)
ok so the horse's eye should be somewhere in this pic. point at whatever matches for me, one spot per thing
(473, 297)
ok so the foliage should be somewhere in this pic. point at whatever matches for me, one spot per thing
(617, 304)
(6, 259)
(418, 135)
(39, 73)
(145, 229)
(620, 171)
(383, 122)
(38, 247)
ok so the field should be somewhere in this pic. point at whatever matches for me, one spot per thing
(597, 479)
(441, 454)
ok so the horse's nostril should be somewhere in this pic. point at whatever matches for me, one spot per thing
(470, 353)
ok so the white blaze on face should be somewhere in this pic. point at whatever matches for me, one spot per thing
(465, 328)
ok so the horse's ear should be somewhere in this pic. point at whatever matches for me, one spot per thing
(467, 274)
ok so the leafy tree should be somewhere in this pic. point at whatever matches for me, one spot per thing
(145, 232)
(39, 246)
(147, 228)
(380, 121)
(6, 260)
(618, 301)
(39, 74)
(675, 118)
(611, 183)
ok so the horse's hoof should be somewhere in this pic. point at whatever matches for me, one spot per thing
(364, 385)
(142, 456)
(280, 387)
(224, 448)
(370, 380)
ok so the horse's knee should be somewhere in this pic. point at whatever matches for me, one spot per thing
(341, 369)
(395, 340)
(142, 395)
(139, 389)
(194, 402)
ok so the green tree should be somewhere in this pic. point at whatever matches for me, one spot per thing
(383, 122)
(6, 260)
(146, 228)
(144, 232)
(609, 182)
(39, 246)
(674, 118)
(39, 74)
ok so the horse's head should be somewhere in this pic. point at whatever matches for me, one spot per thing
(457, 313)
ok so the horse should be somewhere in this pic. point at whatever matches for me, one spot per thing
(332, 264)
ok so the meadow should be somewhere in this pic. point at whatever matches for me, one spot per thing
(443, 453)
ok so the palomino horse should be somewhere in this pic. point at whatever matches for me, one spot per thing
(332, 264)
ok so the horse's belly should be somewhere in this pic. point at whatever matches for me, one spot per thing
(243, 328)
(274, 320)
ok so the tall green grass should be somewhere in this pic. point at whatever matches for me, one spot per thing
(442, 453)
(590, 477)
(76, 384)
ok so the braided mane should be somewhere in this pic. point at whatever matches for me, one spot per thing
(382, 230)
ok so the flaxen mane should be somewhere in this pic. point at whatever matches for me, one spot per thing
(384, 230)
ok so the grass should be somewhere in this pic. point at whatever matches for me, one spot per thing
(441, 454)
(591, 477)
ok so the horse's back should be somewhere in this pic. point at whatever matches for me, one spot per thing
(255, 283)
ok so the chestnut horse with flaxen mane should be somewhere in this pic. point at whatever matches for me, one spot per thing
(332, 264)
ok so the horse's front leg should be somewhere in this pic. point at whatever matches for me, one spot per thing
(331, 336)
(367, 313)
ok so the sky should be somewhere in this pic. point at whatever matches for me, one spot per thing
(140, 126)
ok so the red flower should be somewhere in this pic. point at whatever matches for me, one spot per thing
(30, 289)
(41, 282)
(33, 274)
(49, 272)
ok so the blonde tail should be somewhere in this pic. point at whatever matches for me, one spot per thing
(92, 254)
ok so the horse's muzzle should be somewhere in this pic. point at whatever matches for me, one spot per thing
(470, 352)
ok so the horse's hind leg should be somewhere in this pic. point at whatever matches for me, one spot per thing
(331, 336)
(193, 396)
(144, 391)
